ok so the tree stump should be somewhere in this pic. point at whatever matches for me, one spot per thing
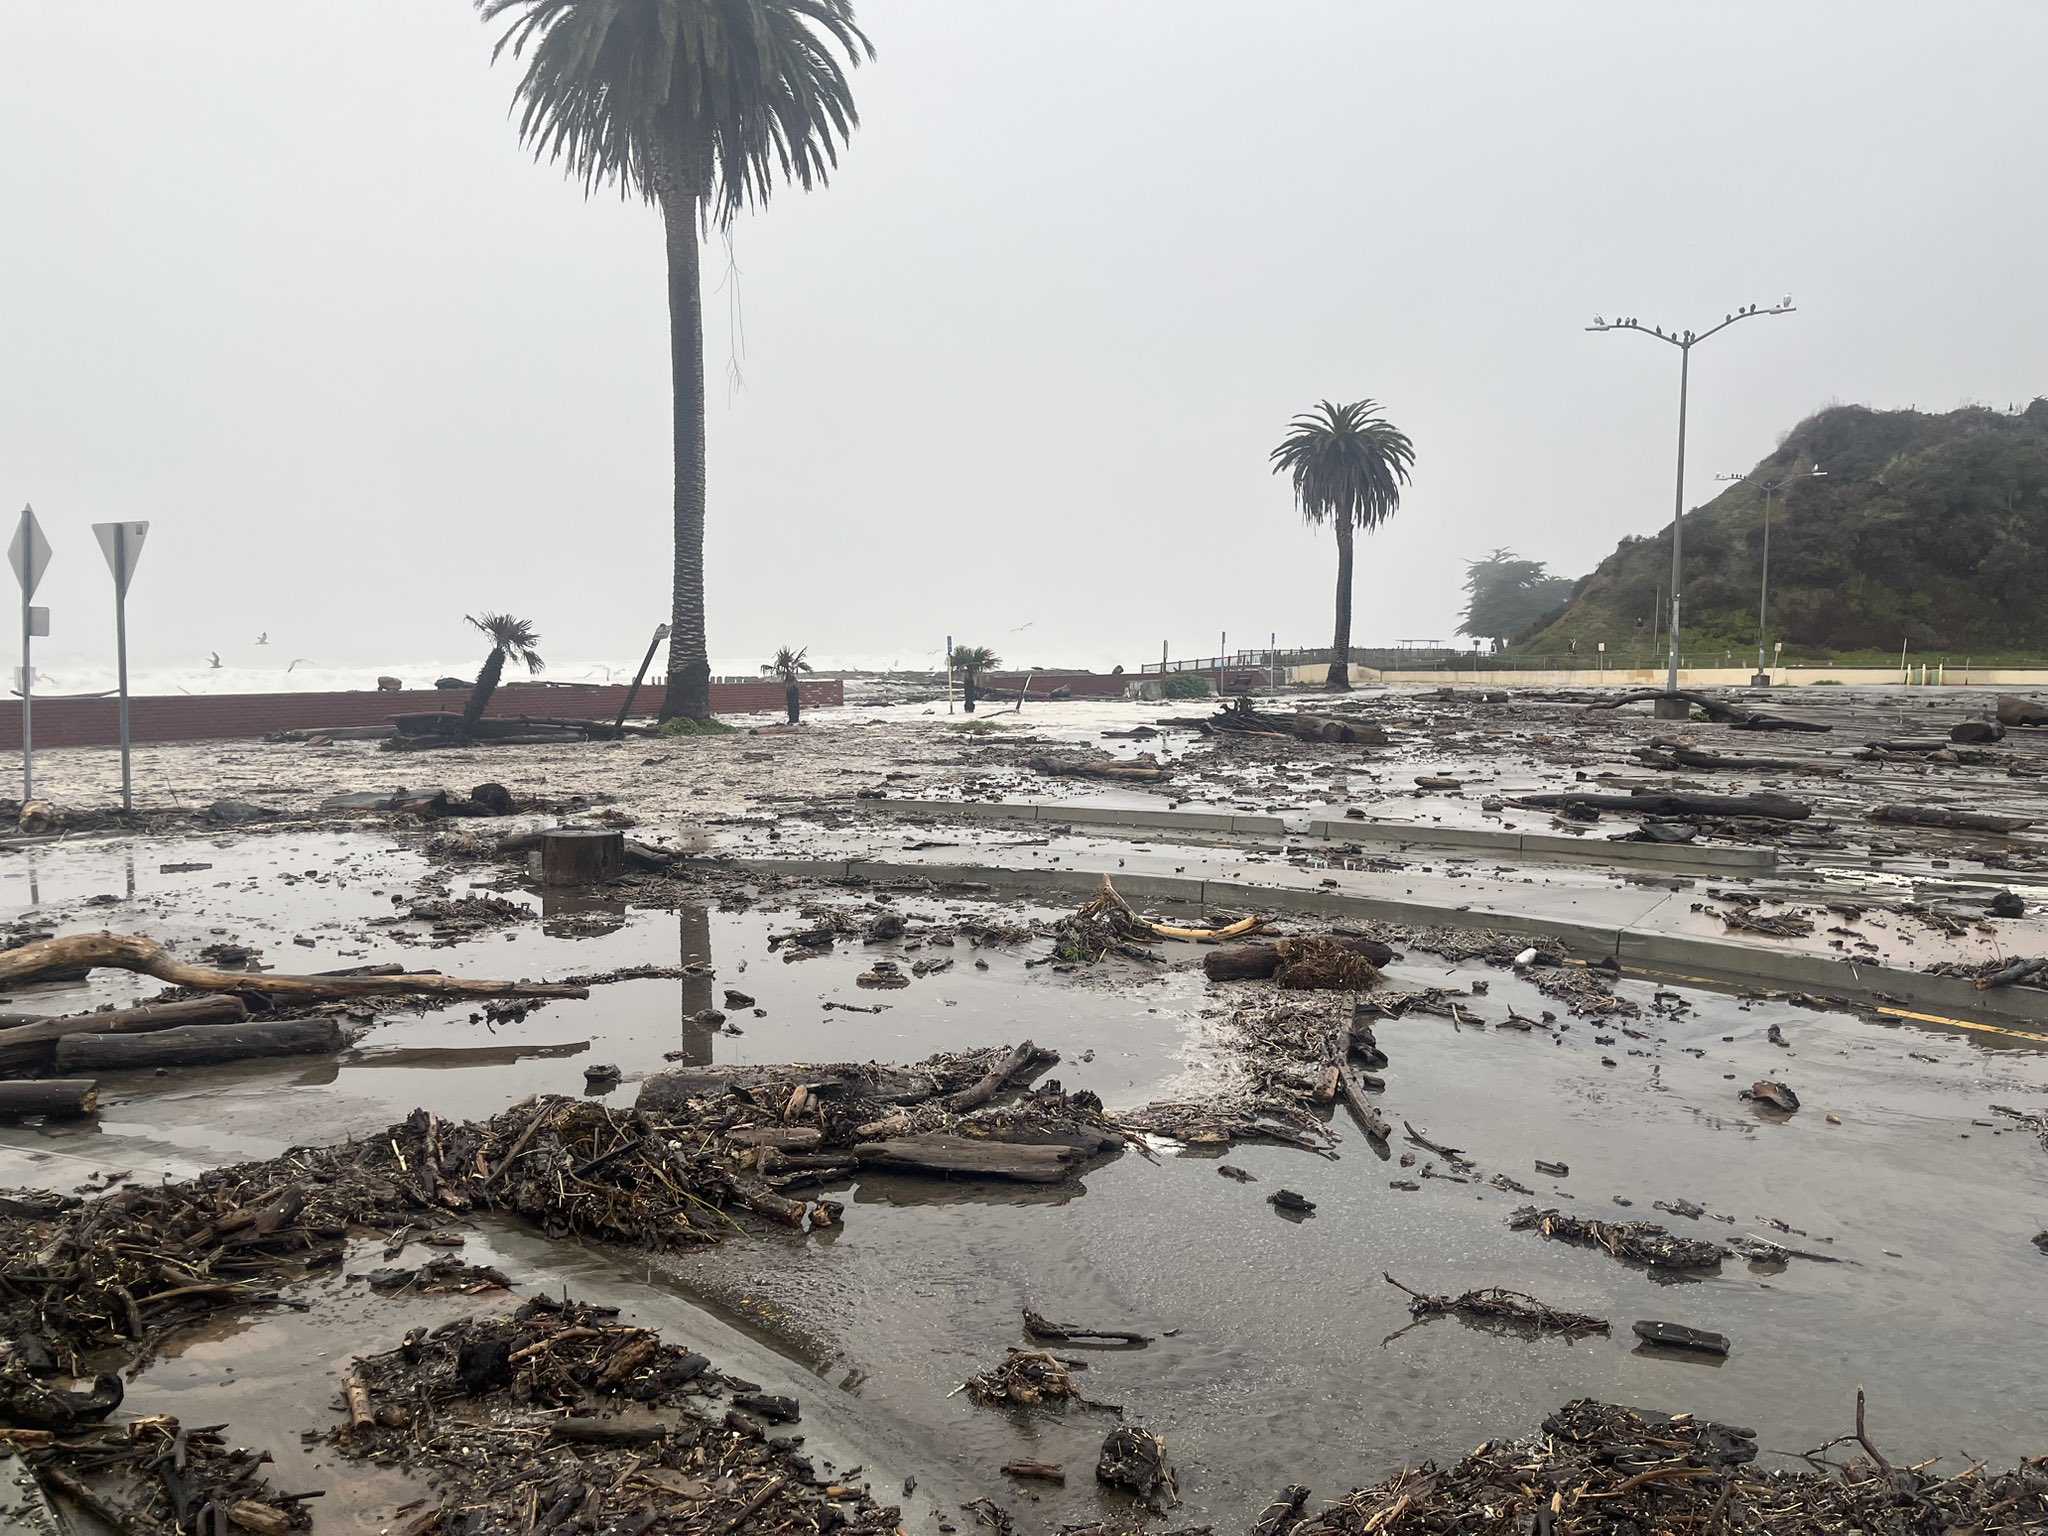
(581, 856)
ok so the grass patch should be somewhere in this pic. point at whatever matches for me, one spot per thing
(980, 727)
(682, 725)
(1184, 685)
(1825, 682)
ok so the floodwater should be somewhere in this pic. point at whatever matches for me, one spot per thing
(1269, 1366)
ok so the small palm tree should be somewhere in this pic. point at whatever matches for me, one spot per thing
(970, 661)
(790, 666)
(701, 107)
(509, 637)
(1348, 464)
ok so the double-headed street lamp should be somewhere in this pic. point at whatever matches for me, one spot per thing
(1685, 341)
(1763, 599)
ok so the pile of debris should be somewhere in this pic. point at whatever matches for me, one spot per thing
(1106, 924)
(1028, 1378)
(150, 1475)
(559, 1418)
(1595, 1468)
(933, 1118)
(1633, 1242)
(1505, 1311)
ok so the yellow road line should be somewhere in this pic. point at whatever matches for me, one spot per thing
(1988, 1029)
(1723, 984)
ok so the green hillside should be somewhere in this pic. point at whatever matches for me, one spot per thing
(1931, 530)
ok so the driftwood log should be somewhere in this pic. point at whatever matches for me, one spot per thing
(1716, 711)
(1023, 1063)
(33, 1043)
(1042, 1327)
(1049, 1162)
(1258, 960)
(197, 1045)
(128, 952)
(1682, 756)
(1241, 719)
(61, 1098)
(1352, 1090)
(2013, 710)
(1767, 807)
(1942, 816)
(1080, 768)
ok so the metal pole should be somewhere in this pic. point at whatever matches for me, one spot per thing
(1222, 644)
(619, 726)
(1678, 513)
(949, 674)
(121, 653)
(28, 684)
(1763, 600)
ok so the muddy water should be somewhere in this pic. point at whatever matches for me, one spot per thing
(1275, 1369)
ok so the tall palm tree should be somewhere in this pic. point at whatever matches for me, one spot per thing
(701, 107)
(1348, 464)
(790, 666)
(509, 637)
(970, 661)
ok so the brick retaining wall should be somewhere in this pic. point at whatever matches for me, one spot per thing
(206, 717)
(1081, 685)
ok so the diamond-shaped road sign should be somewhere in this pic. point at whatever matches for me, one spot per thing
(122, 545)
(29, 553)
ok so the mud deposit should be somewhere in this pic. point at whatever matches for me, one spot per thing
(1269, 1361)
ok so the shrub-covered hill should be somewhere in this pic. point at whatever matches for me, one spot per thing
(1931, 530)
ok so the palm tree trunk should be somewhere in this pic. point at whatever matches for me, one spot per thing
(967, 693)
(681, 189)
(1339, 680)
(486, 685)
(793, 702)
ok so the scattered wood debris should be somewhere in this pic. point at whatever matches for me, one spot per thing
(1134, 1459)
(1596, 1468)
(1512, 1311)
(1633, 1242)
(1027, 1378)
(558, 1418)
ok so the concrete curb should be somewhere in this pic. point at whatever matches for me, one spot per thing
(1678, 857)
(1720, 961)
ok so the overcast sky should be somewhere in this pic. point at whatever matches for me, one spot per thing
(277, 277)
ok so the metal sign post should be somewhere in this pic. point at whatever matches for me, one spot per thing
(30, 556)
(122, 545)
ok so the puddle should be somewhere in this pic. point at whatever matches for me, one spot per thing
(1268, 1367)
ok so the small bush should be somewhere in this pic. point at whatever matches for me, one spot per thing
(1825, 682)
(980, 727)
(683, 725)
(1184, 685)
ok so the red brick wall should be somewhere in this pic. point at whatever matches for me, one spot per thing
(202, 717)
(1082, 685)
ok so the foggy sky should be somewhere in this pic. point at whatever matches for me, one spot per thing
(277, 277)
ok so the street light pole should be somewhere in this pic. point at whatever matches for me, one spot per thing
(1763, 597)
(1685, 342)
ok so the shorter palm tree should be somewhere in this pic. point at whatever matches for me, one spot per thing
(509, 637)
(790, 666)
(970, 661)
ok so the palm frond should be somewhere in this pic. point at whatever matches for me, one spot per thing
(788, 665)
(975, 659)
(511, 637)
(740, 93)
(1345, 462)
